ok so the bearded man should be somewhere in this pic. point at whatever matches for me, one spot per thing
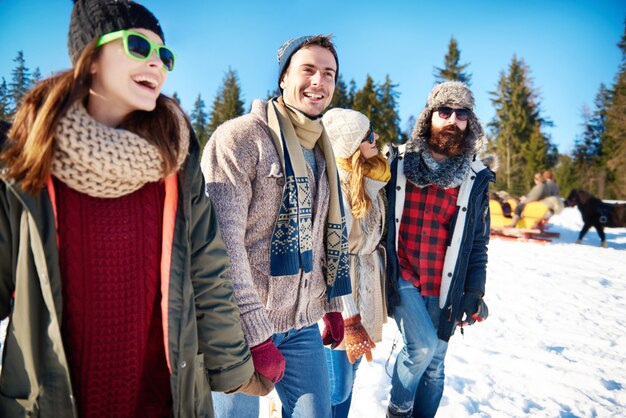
(437, 251)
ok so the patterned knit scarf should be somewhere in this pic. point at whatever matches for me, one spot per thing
(423, 170)
(101, 161)
(292, 242)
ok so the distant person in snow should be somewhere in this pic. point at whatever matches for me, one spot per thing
(437, 239)
(273, 179)
(112, 269)
(363, 172)
(553, 194)
(538, 192)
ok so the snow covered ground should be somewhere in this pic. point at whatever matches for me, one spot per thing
(554, 344)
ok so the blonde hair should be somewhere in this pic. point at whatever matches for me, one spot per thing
(360, 201)
(29, 149)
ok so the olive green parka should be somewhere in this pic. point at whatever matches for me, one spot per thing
(206, 348)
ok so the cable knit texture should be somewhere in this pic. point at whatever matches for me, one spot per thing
(346, 130)
(113, 162)
(367, 265)
(245, 182)
(112, 329)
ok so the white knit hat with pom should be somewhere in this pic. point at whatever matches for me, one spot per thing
(346, 129)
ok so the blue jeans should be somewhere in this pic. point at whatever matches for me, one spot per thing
(418, 375)
(342, 375)
(303, 391)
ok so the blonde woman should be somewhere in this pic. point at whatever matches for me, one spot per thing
(363, 172)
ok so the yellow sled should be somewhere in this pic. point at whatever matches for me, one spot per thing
(498, 220)
(534, 215)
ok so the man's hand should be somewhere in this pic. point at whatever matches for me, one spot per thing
(474, 308)
(268, 361)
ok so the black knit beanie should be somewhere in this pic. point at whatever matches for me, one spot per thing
(94, 18)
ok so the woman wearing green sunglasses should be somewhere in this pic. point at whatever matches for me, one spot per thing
(113, 270)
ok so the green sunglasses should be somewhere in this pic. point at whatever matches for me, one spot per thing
(139, 47)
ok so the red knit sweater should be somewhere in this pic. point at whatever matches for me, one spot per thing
(110, 251)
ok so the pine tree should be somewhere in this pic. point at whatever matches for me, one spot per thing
(566, 174)
(35, 77)
(228, 103)
(274, 93)
(389, 127)
(199, 121)
(614, 136)
(588, 156)
(367, 101)
(341, 98)
(408, 128)
(176, 98)
(5, 111)
(517, 129)
(452, 70)
(20, 82)
(352, 91)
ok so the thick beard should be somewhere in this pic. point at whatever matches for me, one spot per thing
(448, 140)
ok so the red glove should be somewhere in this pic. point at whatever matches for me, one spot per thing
(268, 361)
(358, 341)
(333, 329)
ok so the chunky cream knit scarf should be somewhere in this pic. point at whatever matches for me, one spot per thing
(101, 161)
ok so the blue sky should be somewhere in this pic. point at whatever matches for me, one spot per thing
(570, 46)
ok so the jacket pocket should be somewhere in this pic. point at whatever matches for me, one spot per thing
(17, 407)
(203, 403)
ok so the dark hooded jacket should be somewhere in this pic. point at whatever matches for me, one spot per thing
(465, 263)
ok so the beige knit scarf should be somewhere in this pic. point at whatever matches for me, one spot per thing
(291, 248)
(101, 161)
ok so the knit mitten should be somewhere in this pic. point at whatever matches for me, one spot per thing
(333, 329)
(358, 341)
(474, 308)
(268, 361)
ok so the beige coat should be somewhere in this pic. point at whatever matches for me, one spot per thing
(367, 258)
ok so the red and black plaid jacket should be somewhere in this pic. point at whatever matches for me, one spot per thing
(424, 231)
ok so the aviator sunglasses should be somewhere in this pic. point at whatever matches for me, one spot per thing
(139, 47)
(461, 114)
(370, 138)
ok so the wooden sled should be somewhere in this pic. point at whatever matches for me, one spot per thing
(523, 234)
(531, 227)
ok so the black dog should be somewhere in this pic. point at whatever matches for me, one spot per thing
(597, 213)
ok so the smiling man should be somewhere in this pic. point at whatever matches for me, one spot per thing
(272, 177)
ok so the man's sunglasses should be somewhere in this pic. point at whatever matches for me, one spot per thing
(461, 114)
(370, 138)
(140, 48)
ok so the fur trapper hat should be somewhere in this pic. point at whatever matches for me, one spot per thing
(450, 93)
(346, 129)
(94, 18)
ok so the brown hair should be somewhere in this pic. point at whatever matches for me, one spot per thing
(547, 175)
(360, 201)
(29, 150)
(325, 42)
